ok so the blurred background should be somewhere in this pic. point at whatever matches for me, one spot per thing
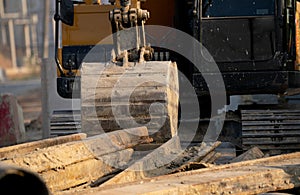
(26, 36)
(26, 39)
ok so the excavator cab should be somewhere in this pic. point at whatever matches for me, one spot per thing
(253, 42)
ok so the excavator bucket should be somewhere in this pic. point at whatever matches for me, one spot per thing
(140, 94)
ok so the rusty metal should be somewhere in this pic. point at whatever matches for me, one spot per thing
(130, 18)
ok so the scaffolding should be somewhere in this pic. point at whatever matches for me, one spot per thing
(9, 21)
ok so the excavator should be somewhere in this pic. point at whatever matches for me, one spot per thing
(127, 62)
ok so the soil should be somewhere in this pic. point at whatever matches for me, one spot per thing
(5, 62)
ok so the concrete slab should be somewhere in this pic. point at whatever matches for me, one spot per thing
(12, 130)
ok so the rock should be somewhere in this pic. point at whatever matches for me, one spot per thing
(12, 129)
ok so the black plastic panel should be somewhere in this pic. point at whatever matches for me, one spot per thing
(69, 87)
(239, 8)
(240, 39)
(239, 83)
(74, 55)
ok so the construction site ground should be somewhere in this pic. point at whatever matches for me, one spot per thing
(200, 169)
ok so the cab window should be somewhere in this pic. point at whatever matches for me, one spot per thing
(231, 8)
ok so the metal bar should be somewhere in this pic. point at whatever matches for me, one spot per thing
(24, 8)
(34, 36)
(270, 143)
(269, 111)
(3, 34)
(263, 123)
(46, 29)
(271, 118)
(278, 23)
(46, 115)
(143, 33)
(1, 8)
(57, 23)
(271, 128)
(270, 135)
(4, 15)
(27, 40)
(12, 43)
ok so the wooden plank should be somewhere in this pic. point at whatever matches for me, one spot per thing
(62, 155)
(85, 172)
(150, 165)
(195, 155)
(71, 164)
(249, 177)
(204, 150)
(22, 149)
(192, 166)
(211, 157)
(252, 154)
